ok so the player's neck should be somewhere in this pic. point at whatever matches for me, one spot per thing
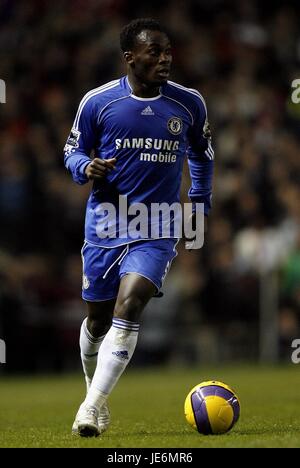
(142, 90)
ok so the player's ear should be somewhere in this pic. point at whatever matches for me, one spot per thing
(128, 56)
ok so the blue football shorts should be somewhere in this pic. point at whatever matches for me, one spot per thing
(103, 268)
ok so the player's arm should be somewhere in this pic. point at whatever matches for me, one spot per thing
(80, 143)
(201, 159)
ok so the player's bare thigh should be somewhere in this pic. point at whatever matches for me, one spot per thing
(134, 293)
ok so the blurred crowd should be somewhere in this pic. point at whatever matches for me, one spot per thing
(242, 55)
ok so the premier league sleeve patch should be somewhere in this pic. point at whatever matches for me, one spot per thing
(74, 138)
(206, 130)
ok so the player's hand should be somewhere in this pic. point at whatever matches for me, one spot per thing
(99, 168)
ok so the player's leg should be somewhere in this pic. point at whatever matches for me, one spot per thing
(92, 332)
(142, 273)
(119, 343)
(114, 354)
(99, 291)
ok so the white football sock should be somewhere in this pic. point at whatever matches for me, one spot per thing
(89, 347)
(115, 353)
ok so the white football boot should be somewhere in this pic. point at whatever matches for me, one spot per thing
(85, 425)
(86, 422)
(104, 418)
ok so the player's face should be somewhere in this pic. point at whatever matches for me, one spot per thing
(152, 58)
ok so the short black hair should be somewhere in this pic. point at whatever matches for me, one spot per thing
(134, 28)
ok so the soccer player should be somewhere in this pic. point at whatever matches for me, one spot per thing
(139, 129)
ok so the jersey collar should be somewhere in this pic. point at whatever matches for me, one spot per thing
(139, 98)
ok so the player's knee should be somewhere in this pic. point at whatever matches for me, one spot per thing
(98, 327)
(99, 318)
(98, 323)
(129, 308)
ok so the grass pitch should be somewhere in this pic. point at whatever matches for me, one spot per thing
(147, 409)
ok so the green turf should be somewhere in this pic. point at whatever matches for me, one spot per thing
(147, 409)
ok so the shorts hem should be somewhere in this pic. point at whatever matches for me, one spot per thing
(99, 300)
(144, 276)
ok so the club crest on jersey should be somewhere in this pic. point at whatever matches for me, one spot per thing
(175, 125)
(74, 138)
(85, 282)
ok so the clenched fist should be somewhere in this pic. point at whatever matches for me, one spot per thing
(98, 168)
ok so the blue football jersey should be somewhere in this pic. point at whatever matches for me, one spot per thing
(149, 137)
